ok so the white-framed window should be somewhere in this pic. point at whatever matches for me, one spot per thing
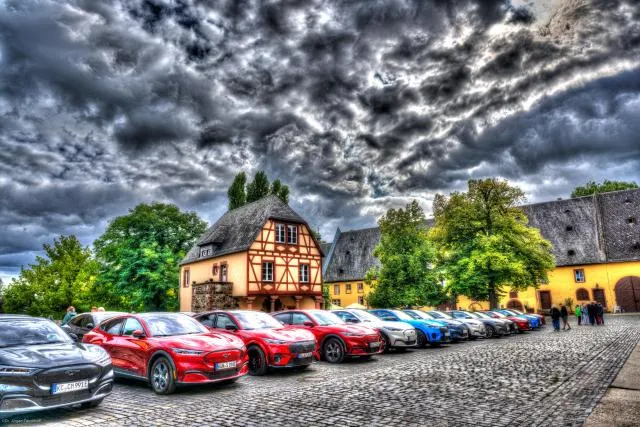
(304, 273)
(280, 233)
(292, 234)
(267, 271)
(578, 275)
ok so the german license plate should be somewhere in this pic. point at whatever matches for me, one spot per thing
(226, 365)
(69, 387)
(446, 334)
(374, 344)
(304, 355)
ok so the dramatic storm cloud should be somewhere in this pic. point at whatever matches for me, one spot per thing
(358, 105)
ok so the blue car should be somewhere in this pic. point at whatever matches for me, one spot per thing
(534, 321)
(429, 331)
(458, 330)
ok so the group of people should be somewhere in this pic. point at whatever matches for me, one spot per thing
(71, 313)
(590, 314)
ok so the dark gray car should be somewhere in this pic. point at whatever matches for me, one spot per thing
(83, 323)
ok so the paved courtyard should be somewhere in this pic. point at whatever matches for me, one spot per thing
(539, 378)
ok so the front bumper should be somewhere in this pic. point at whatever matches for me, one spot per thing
(364, 346)
(289, 355)
(20, 399)
(406, 338)
(203, 376)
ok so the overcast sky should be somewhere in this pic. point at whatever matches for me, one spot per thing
(358, 105)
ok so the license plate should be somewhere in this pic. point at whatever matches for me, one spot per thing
(374, 344)
(304, 355)
(226, 365)
(69, 387)
(446, 334)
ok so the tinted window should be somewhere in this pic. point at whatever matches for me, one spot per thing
(78, 321)
(223, 320)
(30, 332)
(131, 325)
(167, 324)
(113, 326)
(208, 320)
(347, 317)
(284, 318)
(299, 318)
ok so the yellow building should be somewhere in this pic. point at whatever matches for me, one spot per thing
(260, 256)
(596, 243)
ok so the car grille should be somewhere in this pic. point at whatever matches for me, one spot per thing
(60, 399)
(300, 362)
(223, 356)
(67, 374)
(302, 346)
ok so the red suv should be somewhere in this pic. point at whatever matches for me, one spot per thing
(336, 339)
(167, 349)
(269, 343)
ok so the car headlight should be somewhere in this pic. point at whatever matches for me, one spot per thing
(273, 341)
(187, 352)
(16, 371)
(392, 329)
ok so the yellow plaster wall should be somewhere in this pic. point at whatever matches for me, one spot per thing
(345, 298)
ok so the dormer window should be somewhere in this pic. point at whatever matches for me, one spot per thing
(631, 220)
(569, 227)
(636, 246)
(205, 252)
(567, 211)
(571, 252)
(627, 201)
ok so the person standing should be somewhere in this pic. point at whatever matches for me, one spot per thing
(585, 314)
(600, 314)
(555, 318)
(564, 315)
(71, 313)
(591, 310)
(579, 314)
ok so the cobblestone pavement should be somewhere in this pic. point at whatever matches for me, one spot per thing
(536, 379)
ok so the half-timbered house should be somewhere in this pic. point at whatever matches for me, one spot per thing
(261, 256)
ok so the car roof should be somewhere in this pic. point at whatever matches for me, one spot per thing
(19, 316)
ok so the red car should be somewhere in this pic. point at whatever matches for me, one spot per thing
(521, 324)
(269, 343)
(167, 349)
(336, 339)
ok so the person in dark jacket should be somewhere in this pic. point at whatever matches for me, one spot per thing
(564, 315)
(600, 314)
(555, 318)
(591, 311)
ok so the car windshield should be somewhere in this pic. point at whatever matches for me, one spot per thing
(497, 313)
(165, 325)
(463, 315)
(31, 332)
(324, 318)
(419, 315)
(441, 315)
(256, 320)
(472, 315)
(481, 315)
(365, 316)
(401, 315)
(514, 312)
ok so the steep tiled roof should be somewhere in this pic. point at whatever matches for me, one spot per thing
(237, 229)
(352, 255)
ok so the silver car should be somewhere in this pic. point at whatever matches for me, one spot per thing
(476, 327)
(397, 335)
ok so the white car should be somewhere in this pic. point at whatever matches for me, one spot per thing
(476, 327)
(397, 335)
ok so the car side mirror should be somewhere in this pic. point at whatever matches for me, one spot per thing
(138, 333)
(308, 324)
(230, 327)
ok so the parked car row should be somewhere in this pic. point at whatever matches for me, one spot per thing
(44, 366)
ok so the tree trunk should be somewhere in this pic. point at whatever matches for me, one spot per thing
(493, 298)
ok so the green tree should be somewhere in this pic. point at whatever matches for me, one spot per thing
(139, 255)
(258, 188)
(280, 190)
(236, 192)
(592, 187)
(406, 276)
(64, 276)
(485, 243)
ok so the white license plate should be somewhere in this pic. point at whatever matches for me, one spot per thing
(226, 365)
(304, 355)
(374, 344)
(446, 334)
(69, 387)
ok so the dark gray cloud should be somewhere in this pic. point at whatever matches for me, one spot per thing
(359, 105)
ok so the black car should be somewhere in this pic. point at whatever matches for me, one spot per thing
(83, 323)
(41, 367)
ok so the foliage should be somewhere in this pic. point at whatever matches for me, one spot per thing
(326, 296)
(569, 303)
(64, 276)
(236, 192)
(258, 188)
(485, 243)
(405, 277)
(139, 255)
(592, 187)
(282, 191)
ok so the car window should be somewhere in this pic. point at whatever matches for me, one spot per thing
(208, 320)
(284, 318)
(385, 315)
(299, 318)
(222, 320)
(112, 326)
(78, 320)
(347, 317)
(131, 325)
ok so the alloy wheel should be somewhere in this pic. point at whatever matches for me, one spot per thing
(160, 376)
(333, 351)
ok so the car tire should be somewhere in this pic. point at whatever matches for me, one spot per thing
(491, 332)
(422, 340)
(162, 376)
(92, 404)
(257, 361)
(333, 350)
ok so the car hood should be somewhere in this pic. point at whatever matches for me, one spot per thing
(282, 334)
(48, 355)
(395, 324)
(476, 322)
(211, 341)
(427, 322)
(362, 330)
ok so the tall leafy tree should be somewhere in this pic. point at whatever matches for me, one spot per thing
(64, 276)
(139, 255)
(280, 190)
(406, 276)
(236, 192)
(258, 188)
(485, 243)
(592, 187)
